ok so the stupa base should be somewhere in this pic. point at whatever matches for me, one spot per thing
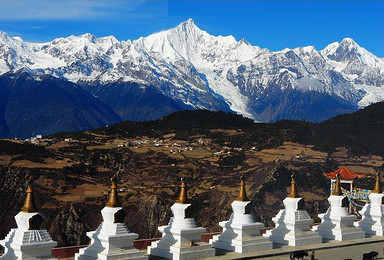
(40, 248)
(373, 230)
(348, 233)
(300, 238)
(199, 250)
(241, 246)
(133, 254)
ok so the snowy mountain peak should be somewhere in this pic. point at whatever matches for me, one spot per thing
(187, 26)
(348, 41)
(3, 34)
(176, 43)
(346, 44)
(18, 38)
(110, 38)
(330, 49)
(201, 70)
(187, 29)
(4, 37)
(349, 52)
(189, 22)
(344, 51)
(86, 37)
(244, 41)
(307, 49)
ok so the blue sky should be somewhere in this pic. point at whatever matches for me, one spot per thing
(270, 24)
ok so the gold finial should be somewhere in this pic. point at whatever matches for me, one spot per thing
(337, 190)
(377, 188)
(113, 201)
(182, 199)
(293, 191)
(29, 203)
(242, 194)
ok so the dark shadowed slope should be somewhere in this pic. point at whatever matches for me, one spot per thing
(363, 131)
(48, 105)
(135, 102)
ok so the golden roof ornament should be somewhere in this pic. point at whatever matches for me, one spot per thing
(182, 199)
(337, 190)
(29, 203)
(242, 193)
(377, 188)
(293, 192)
(113, 200)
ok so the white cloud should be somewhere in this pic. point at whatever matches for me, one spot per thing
(63, 9)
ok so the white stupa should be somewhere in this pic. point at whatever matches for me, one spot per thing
(181, 238)
(372, 221)
(241, 233)
(112, 239)
(336, 223)
(28, 241)
(292, 224)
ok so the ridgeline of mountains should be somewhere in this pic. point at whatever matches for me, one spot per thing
(360, 131)
(84, 82)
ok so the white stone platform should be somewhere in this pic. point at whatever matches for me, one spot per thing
(336, 223)
(372, 221)
(28, 241)
(181, 238)
(112, 239)
(293, 224)
(241, 233)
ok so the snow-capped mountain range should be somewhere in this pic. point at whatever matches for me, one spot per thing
(201, 71)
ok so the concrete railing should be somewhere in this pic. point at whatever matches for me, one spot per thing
(141, 244)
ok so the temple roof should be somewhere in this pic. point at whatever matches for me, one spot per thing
(345, 174)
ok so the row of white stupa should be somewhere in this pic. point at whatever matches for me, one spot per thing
(181, 238)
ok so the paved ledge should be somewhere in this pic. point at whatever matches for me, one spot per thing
(352, 250)
(328, 250)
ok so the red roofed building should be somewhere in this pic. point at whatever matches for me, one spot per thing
(345, 174)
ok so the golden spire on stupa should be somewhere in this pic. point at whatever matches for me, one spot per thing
(182, 198)
(29, 203)
(242, 193)
(377, 188)
(337, 190)
(293, 192)
(113, 200)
